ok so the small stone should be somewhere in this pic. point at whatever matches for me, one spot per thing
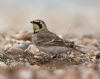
(21, 35)
(98, 55)
(24, 45)
(32, 49)
(3, 65)
(7, 46)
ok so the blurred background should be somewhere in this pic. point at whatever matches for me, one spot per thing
(61, 16)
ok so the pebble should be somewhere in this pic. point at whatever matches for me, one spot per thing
(32, 49)
(98, 55)
(3, 65)
(23, 35)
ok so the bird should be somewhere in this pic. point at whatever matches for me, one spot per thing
(48, 41)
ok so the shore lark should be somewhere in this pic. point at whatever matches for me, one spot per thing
(47, 41)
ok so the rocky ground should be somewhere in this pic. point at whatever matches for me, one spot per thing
(20, 59)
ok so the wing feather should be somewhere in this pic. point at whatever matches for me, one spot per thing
(50, 39)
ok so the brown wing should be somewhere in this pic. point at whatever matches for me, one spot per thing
(50, 39)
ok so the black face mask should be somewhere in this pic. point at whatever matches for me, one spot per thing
(40, 25)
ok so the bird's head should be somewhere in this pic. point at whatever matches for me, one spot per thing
(38, 25)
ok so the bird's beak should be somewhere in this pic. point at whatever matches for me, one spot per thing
(31, 21)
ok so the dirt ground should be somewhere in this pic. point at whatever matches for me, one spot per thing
(20, 59)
